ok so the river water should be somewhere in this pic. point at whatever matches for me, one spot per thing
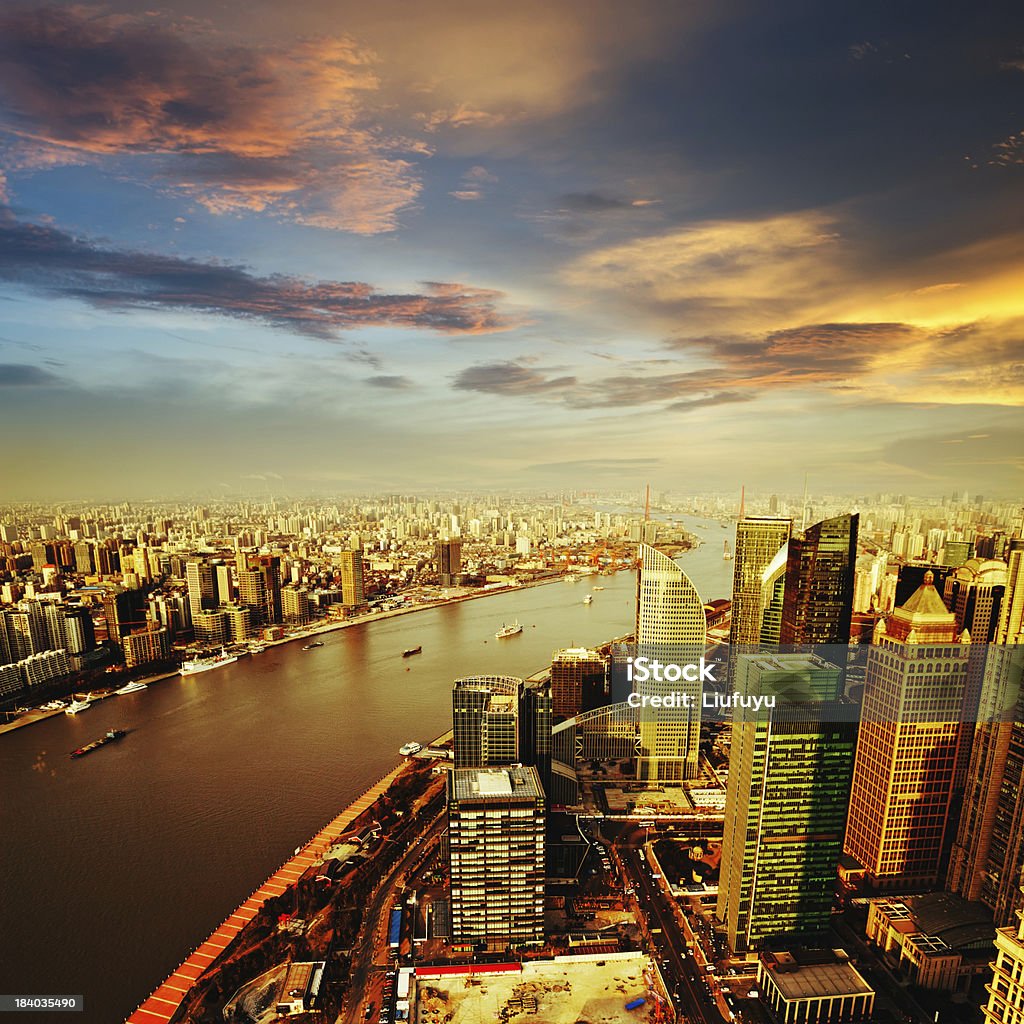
(115, 866)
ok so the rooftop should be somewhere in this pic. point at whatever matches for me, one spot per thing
(500, 785)
(815, 981)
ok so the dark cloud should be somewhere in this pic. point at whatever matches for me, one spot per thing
(390, 383)
(49, 260)
(593, 202)
(23, 375)
(510, 378)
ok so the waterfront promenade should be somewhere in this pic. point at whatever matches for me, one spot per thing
(161, 1006)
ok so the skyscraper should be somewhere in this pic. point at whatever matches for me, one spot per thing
(670, 626)
(448, 557)
(496, 856)
(202, 586)
(579, 681)
(789, 778)
(758, 540)
(1006, 992)
(485, 720)
(909, 744)
(351, 565)
(818, 599)
(773, 592)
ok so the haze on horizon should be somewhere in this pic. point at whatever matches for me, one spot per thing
(468, 245)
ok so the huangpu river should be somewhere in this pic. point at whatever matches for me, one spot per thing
(117, 865)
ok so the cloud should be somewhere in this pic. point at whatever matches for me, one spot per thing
(46, 259)
(23, 375)
(509, 378)
(461, 116)
(475, 184)
(389, 383)
(285, 129)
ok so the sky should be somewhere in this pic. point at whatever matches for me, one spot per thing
(329, 247)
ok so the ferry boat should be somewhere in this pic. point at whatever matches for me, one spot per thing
(75, 706)
(314, 644)
(190, 668)
(589, 599)
(132, 687)
(410, 748)
(411, 651)
(112, 736)
(509, 630)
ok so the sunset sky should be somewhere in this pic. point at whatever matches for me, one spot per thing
(338, 247)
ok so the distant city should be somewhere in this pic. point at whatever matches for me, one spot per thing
(854, 855)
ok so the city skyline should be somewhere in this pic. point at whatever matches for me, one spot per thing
(360, 250)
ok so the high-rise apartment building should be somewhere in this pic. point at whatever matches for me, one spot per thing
(212, 627)
(202, 586)
(496, 856)
(670, 626)
(909, 745)
(351, 565)
(758, 540)
(148, 644)
(818, 600)
(295, 605)
(579, 681)
(785, 811)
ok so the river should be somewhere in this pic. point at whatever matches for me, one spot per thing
(117, 865)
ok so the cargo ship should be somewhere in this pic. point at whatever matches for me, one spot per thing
(112, 736)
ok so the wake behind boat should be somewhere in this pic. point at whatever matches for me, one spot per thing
(191, 667)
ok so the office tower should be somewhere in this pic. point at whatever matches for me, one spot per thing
(351, 565)
(148, 644)
(785, 809)
(670, 626)
(448, 558)
(758, 540)
(259, 589)
(956, 552)
(974, 593)
(988, 854)
(579, 681)
(496, 856)
(773, 590)
(1006, 991)
(224, 584)
(79, 633)
(212, 627)
(239, 620)
(295, 605)
(485, 720)
(8, 533)
(818, 600)
(909, 744)
(123, 610)
(773, 505)
(535, 720)
(202, 586)
(910, 577)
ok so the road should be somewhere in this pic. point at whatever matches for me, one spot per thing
(678, 965)
(373, 935)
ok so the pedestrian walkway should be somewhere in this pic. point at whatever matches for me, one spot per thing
(161, 1006)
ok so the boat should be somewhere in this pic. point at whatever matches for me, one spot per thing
(315, 643)
(112, 736)
(53, 705)
(411, 651)
(75, 706)
(410, 748)
(727, 554)
(509, 630)
(132, 687)
(190, 668)
(599, 588)
(257, 648)
(589, 599)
